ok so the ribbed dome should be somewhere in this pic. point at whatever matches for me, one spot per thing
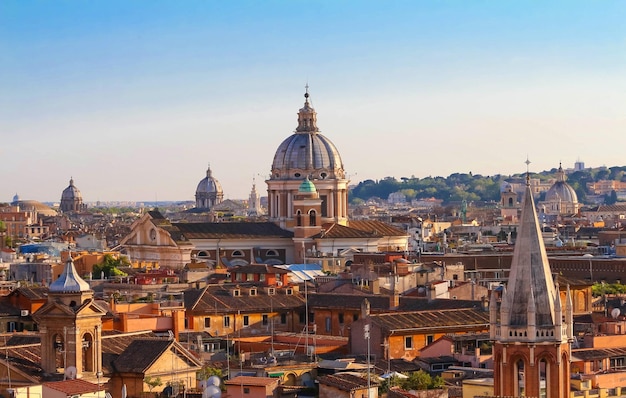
(561, 190)
(71, 192)
(69, 281)
(209, 184)
(307, 152)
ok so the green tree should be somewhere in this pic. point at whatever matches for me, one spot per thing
(110, 266)
(421, 380)
(152, 382)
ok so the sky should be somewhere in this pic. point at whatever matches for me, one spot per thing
(134, 99)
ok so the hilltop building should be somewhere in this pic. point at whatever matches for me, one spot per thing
(561, 199)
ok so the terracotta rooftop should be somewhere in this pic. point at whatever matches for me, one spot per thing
(142, 353)
(380, 227)
(73, 387)
(345, 381)
(232, 230)
(433, 319)
(221, 299)
(252, 381)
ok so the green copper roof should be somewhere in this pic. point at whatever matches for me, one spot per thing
(307, 186)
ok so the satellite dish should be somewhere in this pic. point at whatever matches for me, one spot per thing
(615, 313)
(213, 381)
(70, 372)
(212, 392)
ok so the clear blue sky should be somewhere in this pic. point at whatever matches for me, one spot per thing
(134, 98)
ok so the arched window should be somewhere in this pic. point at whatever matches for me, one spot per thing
(298, 218)
(543, 370)
(237, 253)
(312, 218)
(510, 202)
(204, 254)
(520, 380)
(88, 353)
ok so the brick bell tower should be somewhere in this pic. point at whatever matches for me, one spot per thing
(531, 333)
(70, 324)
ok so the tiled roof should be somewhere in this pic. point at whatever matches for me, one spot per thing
(32, 293)
(381, 302)
(432, 319)
(221, 299)
(345, 381)
(252, 381)
(140, 354)
(232, 230)
(259, 269)
(336, 231)
(73, 387)
(380, 227)
(114, 343)
(597, 353)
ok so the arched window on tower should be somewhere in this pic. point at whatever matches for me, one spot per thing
(312, 218)
(298, 218)
(510, 202)
(520, 380)
(543, 369)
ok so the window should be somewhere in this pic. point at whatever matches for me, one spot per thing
(312, 218)
(340, 318)
(246, 320)
(430, 339)
(237, 253)
(328, 324)
(262, 277)
(355, 316)
(283, 319)
(271, 291)
(253, 292)
(207, 322)
(301, 317)
(408, 343)
(246, 390)
(265, 319)
(239, 276)
(250, 277)
(226, 321)
(455, 277)
(271, 253)
(298, 219)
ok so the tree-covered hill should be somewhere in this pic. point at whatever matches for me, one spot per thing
(469, 187)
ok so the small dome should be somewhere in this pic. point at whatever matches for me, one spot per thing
(307, 186)
(69, 281)
(209, 184)
(561, 190)
(16, 198)
(307, 152)
(71, 192)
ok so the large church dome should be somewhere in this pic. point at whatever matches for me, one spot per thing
(71, 192)
(561, 190)
(71, 198)
(209, 192)
(209, 184)
(307, 153)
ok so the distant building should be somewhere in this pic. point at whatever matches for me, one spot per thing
(209, 192)
(561, 199)
(72, 199)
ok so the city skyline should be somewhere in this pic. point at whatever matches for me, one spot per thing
(134, 100)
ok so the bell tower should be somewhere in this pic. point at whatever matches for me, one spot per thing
(532, 334)
(70, 325)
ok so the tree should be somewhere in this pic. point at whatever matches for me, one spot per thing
(152, 382)
(421, 380)
(110, 266)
